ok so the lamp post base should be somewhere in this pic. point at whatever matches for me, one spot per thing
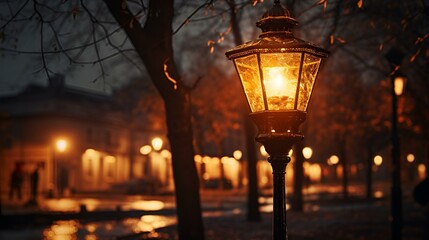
(279, 196)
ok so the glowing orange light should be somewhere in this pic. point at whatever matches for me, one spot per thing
(333, 160)
(61, 145)
(157, 143)
(307, 152)
(237, 154)
(263, 151)
(198, 158)
(399, 85)
(145, 150)
(410, 158)
(378, 160)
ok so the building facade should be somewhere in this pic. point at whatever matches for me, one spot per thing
(78, 141)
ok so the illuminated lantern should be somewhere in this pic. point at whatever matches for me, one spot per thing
(277, 73)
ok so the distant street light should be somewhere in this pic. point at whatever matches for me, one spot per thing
(307, 152)
(237, 154)
(333, 160)
(410, 157)
(421, 169)
(146, 149)
(278, 72)
(399, 84)
(157, 143)
(165, 154)
(378, 160)
(61, 145)
(155, 153)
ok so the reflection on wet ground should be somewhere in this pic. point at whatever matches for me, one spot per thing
(319, 199)
(91, 204)
(76, 230)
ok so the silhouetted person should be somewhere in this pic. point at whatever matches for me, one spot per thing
(16, 179)
(34, 184)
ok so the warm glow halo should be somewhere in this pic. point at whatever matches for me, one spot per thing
(198, 158)
(399, 83)
(166, 153)
(61, 145)
(307, 152)
(146, 149)
(334, 159)
(237, 154)
(157, 143)
(410, 157)
(378, 160)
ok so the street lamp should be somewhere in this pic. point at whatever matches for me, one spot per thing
(61, 146)
(277, 73)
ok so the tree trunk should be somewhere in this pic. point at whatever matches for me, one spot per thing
(344, 163)
(369, 173)
(427, 161)
(253, 213)
(184, 170)
(298, 174)
(153, 43)
(131, 153)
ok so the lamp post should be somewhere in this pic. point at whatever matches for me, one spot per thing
(277, 72)
(397, 86)
(61, 145)
(154, 166)
(397, 82)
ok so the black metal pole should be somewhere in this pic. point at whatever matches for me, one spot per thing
(279, 164)
(396, 192)
(278, 132)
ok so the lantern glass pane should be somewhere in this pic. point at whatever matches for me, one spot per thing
(280, 72)
(247, 68)
(308, 76)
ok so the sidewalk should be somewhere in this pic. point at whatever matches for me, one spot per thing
(344, 222)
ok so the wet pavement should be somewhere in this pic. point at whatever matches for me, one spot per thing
(326, 216)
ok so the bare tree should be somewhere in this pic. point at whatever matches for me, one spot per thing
(148, 36)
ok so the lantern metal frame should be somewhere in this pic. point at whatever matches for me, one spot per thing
(278, 129)
(277, 37)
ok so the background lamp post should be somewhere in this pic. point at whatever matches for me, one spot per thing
(61, 146)
(397, 81)
(277, 72)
